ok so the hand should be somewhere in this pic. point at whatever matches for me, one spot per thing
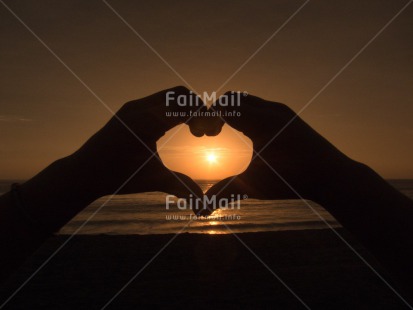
(120, 158)
(289, 156)
(294, 161)
(126, 147)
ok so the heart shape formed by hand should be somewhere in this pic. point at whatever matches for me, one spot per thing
(205, 158)
(289, 156)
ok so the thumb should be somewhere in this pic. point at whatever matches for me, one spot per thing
(182, 186)
(229, 190)
(179, 185)
(260, 185)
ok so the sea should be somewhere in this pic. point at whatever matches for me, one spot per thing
(146, 213)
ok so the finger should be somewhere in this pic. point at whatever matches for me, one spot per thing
(228, 190)
(182, 186)
(189, 106)
(155, 177)
(213, 122)
(179, 185)
(184, 106)
(234, 110)
(261, 185)
(253, 116)
(164, 110)
(191, 109)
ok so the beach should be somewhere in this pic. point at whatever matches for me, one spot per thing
(202, 271)
(205, 266)
(147, 214)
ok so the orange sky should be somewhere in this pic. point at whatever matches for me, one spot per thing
(45, 113)
(192, 156)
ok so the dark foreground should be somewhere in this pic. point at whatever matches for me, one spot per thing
(202, 272)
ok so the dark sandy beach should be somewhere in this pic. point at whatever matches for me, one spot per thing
(203, 272)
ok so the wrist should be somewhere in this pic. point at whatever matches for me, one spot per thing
(354, 185)
(58, 193)
(377, 214)
(365, 204)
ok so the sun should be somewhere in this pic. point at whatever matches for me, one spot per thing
(211, 157)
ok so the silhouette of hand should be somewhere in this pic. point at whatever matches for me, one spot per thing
(125, 148)
(292, 157)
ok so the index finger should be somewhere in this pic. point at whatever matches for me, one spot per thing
(253, 116)
(164, 110)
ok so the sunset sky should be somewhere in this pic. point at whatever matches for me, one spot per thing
(45, 113)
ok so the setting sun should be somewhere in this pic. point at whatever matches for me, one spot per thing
(211, 157)
(205, 158)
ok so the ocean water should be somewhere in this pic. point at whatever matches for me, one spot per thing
(146, 214)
